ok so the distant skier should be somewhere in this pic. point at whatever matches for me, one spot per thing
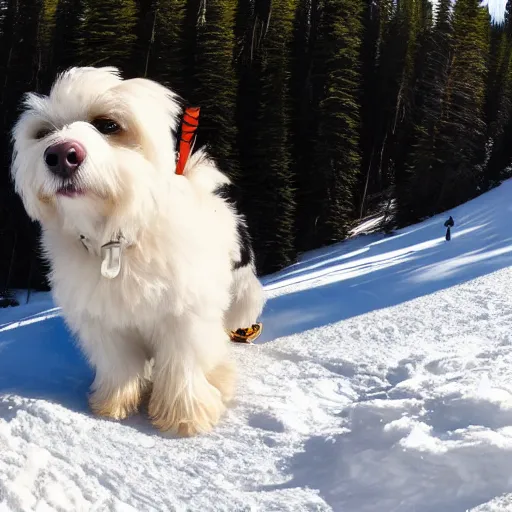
(449, 224)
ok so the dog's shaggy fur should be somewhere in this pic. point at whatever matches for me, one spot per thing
(187, 272)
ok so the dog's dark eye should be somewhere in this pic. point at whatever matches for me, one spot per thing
(106, 126)
(42, 133)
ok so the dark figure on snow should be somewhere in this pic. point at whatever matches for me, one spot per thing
(449, 224)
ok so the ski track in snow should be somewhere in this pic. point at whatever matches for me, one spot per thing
(381, 383)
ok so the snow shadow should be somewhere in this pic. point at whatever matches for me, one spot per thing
(387, 460)
(38, 359)
(378, 271)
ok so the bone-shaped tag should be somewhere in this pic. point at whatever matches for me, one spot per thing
(111, 259)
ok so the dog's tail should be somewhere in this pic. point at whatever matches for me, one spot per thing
(247, 299)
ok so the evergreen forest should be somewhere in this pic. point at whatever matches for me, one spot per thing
(323, 111)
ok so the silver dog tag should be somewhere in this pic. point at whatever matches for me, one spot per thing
(111, 259)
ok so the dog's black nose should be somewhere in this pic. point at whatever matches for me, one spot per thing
(64, 158)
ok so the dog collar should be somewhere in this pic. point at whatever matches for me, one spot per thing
(111, 254)
(187, 137)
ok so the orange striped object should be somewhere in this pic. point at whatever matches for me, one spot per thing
(189, 126)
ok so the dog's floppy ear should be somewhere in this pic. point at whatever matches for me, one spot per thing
(156, 112)
(165, 97)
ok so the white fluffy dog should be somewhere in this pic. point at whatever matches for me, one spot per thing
(151, 268)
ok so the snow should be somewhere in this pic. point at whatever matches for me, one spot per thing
(369, 225)
(382, 382)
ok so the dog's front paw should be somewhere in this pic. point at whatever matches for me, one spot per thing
(187, 416)
(118, 404)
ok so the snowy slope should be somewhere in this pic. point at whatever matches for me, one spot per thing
(382, 383)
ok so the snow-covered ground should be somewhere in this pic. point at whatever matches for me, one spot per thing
(382, 382)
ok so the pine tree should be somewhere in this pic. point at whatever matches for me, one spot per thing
(445, 166)
(19, 64)
(368, 98)
(46, 28)
(160, 49)
(499, 101)
(336, 78)
(107, 36)
(18, 59)
(263, 112)
(419, 186)
(393, 60)
(416, 18)
(389, 62)
(304, 117)
(3, 13)
(145, 32)
(462, 133)
(387, 59)
(210, 78)
(67, 34)
(164, 50)
(273, 179)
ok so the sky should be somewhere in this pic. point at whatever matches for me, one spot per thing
(496, 8)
